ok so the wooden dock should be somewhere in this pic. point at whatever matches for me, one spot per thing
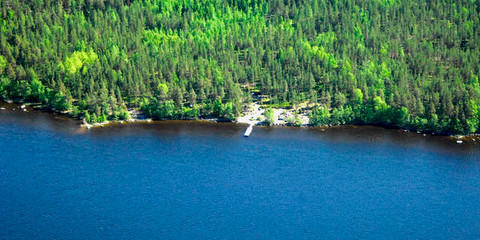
(248, 131)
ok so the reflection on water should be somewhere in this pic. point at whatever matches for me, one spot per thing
(31, 118)
(339, 134)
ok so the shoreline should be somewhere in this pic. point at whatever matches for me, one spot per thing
(138, 118)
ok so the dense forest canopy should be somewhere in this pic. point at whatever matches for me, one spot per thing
(406, 63)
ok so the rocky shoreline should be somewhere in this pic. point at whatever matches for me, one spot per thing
(255, 115)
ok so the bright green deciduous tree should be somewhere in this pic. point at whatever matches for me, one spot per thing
(269, 116)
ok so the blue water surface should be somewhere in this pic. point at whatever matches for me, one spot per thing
(186, 180)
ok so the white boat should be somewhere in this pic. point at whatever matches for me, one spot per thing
(459, 141)
(248, 131)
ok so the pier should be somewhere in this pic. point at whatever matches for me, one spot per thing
(248, 131)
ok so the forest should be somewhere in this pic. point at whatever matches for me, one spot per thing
(403, 63)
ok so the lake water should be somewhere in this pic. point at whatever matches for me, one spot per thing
(191, 180)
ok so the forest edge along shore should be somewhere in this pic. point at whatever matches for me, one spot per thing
(254, 115)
